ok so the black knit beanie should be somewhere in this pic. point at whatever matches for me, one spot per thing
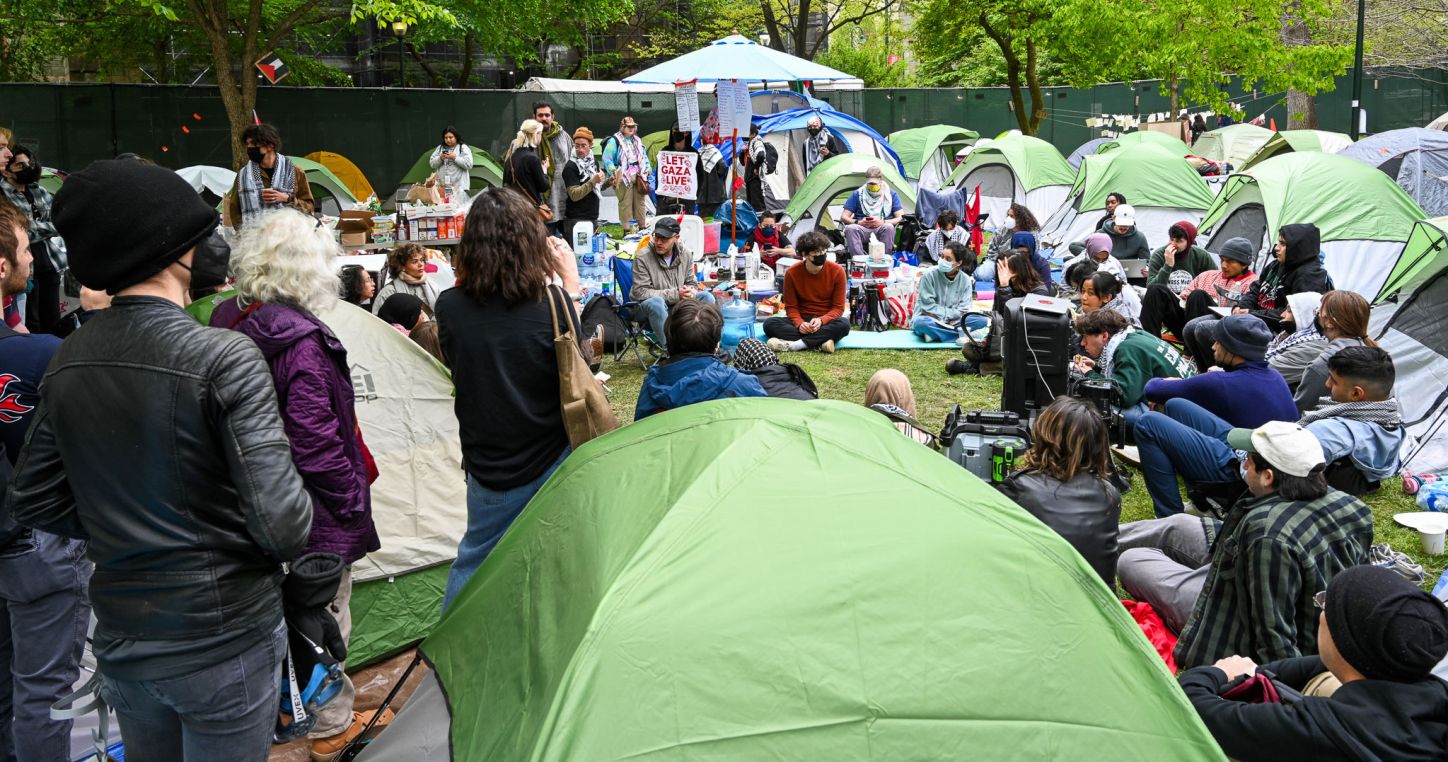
(1385, 626)
(402, 309)
(124, 221)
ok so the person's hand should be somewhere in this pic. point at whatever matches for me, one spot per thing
(1169, 254)
(1236, 666)
(449, 156)
(564, 261)
(1085, 365)
(272, 196)
(1003, 272)
(597, 178)
(816, 324)
(1239, 310)
(546, 162)
(687, 291)
(809, 326)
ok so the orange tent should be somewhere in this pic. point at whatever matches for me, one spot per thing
(345, 171)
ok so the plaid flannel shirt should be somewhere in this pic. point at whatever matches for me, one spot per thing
(1269, 558)
(38, 213)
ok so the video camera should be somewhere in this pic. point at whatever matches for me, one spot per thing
(986, 443)
(1103, 396)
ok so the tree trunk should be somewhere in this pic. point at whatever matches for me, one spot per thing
(1174, 88)
(469, 40)
(1013, 72)
(1301, 107)
(1033, 80)
(771, 25)
(801, 31)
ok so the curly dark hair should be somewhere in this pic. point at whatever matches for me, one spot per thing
(504, 249)
(454, 132)
(397, 258)
(263, 135)
(351, 276)
(1025, 221)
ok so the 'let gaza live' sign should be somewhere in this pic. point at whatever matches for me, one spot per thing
(676, 175)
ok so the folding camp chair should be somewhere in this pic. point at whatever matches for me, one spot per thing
(634, 328)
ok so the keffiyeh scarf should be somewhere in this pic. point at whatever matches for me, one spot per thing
(874, 204)
(710, 157)
(1108, 355)
(1281, 345)
(1385, 413)
(630, 154)
(813, 145)
(284, 179)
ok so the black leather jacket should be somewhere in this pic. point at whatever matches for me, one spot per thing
(1085, 511)
(160, 442)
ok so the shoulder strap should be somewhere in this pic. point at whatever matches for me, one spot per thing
(523, 188)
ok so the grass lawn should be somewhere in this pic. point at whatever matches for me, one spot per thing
(843, 376)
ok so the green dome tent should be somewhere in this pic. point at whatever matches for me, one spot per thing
(486, 171)
(1161, 186)
(1015, 169)
(1363, 216)
(831, 183)
(51, 180)
(1233, 144)
(677, 590)
(1147, 137)
(1425, 254)
(328, 191)
(928, 153)
(1287, 141)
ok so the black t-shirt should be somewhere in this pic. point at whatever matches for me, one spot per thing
(587, 209)
(506, 374)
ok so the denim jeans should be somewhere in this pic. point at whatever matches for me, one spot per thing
(228, 711)
(1186, 440)
(43, 619)
(655, 312)
(930, 330)
(490, 513)
(986, 272)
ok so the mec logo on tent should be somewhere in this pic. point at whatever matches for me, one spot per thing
(364, 389)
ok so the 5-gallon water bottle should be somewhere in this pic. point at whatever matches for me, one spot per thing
(738, 322)
(1432, 497)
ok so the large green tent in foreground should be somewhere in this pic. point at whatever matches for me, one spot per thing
(774, 579)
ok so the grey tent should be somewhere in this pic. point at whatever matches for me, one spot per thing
(1416, 158)
(1089, 147)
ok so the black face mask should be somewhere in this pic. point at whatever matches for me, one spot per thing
(1317, 323)
(254, 154)
(1289, 326)
(814, 130)
(28, 175)
(817, 260)
(211, 263)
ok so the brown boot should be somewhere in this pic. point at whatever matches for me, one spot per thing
(329, 748)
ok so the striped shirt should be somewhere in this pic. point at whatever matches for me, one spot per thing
(1269, 558)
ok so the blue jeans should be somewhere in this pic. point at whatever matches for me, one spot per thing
(228, 711)
(1133, 414)
(929, 329)
(655, 311)
(43, 619)
(490, 513)
(986, 272)
(1186, 440)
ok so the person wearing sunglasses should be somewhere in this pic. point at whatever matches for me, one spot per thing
(1369, 693)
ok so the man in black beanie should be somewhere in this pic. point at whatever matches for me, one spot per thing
(1380, 636)
(160, 442)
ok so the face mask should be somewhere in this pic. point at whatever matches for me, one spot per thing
(814, 130)
(210, 263)
(817, 260)
(872, 187)
(1290, 326)
(767, 229)
(254, 153)
(1009, 224)
(27, 176)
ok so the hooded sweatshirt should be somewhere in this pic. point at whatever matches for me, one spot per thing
(691, 378)
(314, 391)
(1364, 720)
(1196, 260)
(1129, 245)
(1302, 271)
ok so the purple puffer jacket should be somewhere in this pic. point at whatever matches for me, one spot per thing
(314, 391)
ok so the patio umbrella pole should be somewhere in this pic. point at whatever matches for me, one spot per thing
(734, 196)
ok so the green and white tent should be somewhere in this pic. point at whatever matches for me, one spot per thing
(1161, 186)
(329, 192)
(830, 184)
(1288, 141)
(486, 171)
(679, 591)
(1173, 145)
(1015, 169)
(1363, 216)
(1233, 144)
(928, 153)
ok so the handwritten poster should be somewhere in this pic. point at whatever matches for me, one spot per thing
(686, 106)
(734, 108)
(676, 175)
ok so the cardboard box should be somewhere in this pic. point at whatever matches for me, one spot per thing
(355, 228)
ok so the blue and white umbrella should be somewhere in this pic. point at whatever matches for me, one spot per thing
(735, 57)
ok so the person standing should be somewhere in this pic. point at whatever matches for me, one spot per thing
(582, 178)
(268, 180)
(452, 160)
(819, 144)
(814, 301)
(555, 149)
(187, 586)
(756, 165)
(22, 187)
(496, 330)
(626, 162)
(43, 576)
(678, 143)
(523, 168)
(284, 277)
(712, 172)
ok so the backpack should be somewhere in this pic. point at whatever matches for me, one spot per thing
(602, 310)
(771, 158)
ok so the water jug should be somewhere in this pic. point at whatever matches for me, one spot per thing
(1432, 497)
(583, 238)
(738, 322)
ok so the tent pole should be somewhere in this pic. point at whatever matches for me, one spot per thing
(734, 195)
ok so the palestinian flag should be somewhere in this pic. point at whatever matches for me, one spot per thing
(273, 68)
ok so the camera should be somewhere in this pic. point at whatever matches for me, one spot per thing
(1105, 398)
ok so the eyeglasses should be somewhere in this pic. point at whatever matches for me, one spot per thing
(1320, 600)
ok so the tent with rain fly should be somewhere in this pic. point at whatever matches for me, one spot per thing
(866, 599)
(51, 179)
(329, 193)
(769, 102)
(487, 172)
(1015, 169)
(928, 153)
(345, 171)
(831, 183)
(787, 132)
(1364, 218)
(1162, 187)
(1233, 144)
(1414, 330)
(1173, 145)
(211, 182)
(1416, 159)
(1085, 149)
(1288, 141)
(419, 501)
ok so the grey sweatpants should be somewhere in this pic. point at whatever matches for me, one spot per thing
(1164, 562)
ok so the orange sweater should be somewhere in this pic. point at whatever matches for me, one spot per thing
(821, 295)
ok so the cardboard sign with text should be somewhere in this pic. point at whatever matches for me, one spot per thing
(676, 175)
(735, 111)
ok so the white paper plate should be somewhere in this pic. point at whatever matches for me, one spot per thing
(1424, 521)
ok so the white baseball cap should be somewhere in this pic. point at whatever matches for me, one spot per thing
(1125, 214)
(1289, 447)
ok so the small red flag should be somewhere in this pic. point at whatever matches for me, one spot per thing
(972, 219)
(254, 117)
(186, 129)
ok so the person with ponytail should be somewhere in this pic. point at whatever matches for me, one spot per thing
(523, 170)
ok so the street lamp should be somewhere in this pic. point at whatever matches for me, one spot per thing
(764, 39)
(399, 30)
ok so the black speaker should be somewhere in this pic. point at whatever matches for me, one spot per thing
(1035, 340)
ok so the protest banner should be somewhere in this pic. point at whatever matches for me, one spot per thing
(676, 175)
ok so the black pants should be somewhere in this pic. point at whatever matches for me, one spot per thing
(754, 194)
(1161, 308)
(671, 205)
(42, 307)
(782, 328)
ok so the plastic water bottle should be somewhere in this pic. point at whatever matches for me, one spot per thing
(738, 322)
(1434, 497)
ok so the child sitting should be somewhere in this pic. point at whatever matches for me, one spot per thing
(692, 373)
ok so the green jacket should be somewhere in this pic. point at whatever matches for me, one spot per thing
(1139, 357)
(1196, 262)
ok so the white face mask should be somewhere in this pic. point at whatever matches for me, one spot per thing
(1009, 224)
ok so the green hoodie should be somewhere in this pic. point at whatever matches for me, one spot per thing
(1140, 357)
(1196, 261)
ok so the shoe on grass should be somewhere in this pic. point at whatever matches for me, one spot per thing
(778, 345)
(828, 347)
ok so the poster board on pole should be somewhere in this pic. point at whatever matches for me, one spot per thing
(735, 112)
(686, 106)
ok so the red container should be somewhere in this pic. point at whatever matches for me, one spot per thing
(711, 238)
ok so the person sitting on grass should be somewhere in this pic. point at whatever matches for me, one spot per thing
(1064, 482)
(1298, 345)
(889, 393)
(692, 373)
(1104, 291)
(1096, 250)
(1248, 393)
(1342, 319)
(784, 380)
(1166, 306)
(1026, 242)
(769, 240)
(1180, 260)
(1378, 639)
(1127, 357)
(814, 301)
(947, 230)
(1245, 585)
(946, 293)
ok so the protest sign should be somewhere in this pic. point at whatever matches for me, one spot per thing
(686, 106)
(734, 108)
(676, 175)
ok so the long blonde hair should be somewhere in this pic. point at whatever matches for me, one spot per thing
(530, 134)
(286, 258)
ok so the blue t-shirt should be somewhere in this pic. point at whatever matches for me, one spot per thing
(852, 204)
(23, 360)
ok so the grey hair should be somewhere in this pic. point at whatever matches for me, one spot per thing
(285, 257)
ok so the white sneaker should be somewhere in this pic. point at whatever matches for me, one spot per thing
(778, 345)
